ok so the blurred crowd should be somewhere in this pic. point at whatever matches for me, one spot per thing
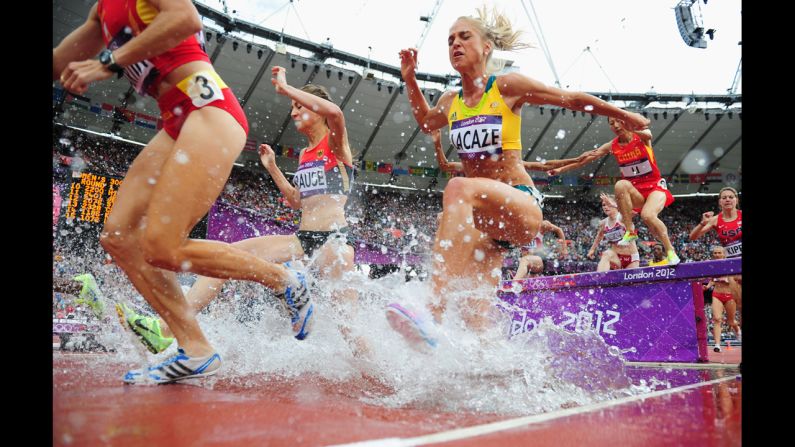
(398, 219)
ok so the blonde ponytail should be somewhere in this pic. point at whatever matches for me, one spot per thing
(497, 29)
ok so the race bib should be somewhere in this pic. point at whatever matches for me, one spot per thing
(614, 234)
(310, 179)
(734, 249)
(636, 169)
(203, 87)
(477, 136)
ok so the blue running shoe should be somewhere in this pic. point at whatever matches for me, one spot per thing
(298, 302)
(178, 367)
(418, 330)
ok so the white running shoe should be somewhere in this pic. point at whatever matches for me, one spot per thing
(178, 367)
(298, 301)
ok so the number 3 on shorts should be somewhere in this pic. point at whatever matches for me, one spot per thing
(203, 88)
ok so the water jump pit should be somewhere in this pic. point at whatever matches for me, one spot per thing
(613, 358)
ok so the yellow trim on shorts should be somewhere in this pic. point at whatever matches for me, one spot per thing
(185, 83)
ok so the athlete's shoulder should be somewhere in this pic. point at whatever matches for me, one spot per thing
(448, 95)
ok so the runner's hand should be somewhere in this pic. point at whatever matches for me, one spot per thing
(408, 63)
(77, 76)
(279, 79)
(266, 155)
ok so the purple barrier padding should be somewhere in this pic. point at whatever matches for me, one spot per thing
(73, 328)
(656, 319)
(371, 255)
(228, 223)
(701, 320)
(231, 224)
(691, 270)
(654, 313)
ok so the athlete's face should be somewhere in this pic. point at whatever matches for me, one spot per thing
(728, 200)
(617, 126)
(465, 46)
(303, 117)
(608, 208)
(718, 253)
(658, 251)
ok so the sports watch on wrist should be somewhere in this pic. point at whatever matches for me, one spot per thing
(106, 59)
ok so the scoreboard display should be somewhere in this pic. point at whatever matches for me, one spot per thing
(91, 197)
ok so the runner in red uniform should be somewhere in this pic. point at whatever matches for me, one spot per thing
(729, 226)
(722, 298)
(641, 189)
(728, 223)
(320, 189)
(175, 179)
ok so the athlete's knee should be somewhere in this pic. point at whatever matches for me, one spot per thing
(160, 252)
(648, 216)
(623, 186)
(116, 242)
(716, 321)
(458, 189)
(347, 257)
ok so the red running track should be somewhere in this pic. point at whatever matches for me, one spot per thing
(91, 406)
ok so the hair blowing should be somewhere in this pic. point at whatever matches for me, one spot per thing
(497, 29)
(321, 92)
(317, 90)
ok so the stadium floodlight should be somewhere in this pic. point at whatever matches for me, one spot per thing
(690, 24)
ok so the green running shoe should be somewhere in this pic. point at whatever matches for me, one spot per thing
(672, 258)
(91, 295)
(628, 237)
(146, 328)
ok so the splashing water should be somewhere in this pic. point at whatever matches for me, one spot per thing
(534, 372)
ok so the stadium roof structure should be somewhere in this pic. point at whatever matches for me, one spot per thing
(697, 138)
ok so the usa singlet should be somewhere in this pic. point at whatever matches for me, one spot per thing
(319, 172)
(730, 235)
(486, 129)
